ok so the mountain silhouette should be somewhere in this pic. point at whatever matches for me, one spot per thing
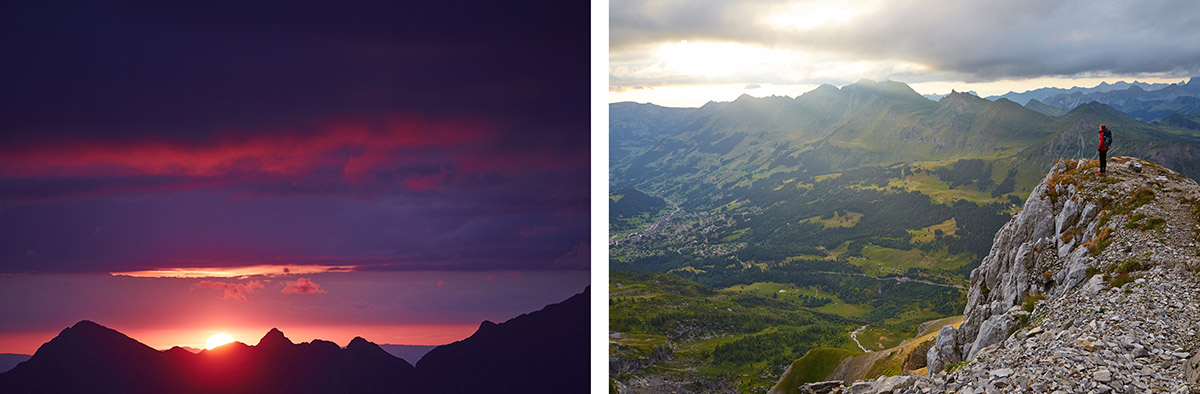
(543, 351)
(540, 352)
(10, 360)
(84, 357)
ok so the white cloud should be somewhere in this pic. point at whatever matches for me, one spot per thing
(661, 43)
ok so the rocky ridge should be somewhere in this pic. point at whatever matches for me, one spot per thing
(1092, 288)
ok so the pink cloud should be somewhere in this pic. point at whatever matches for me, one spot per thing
(302, 286)
(356, 147)
(233, 291)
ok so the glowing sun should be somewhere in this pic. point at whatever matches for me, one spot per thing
(217, 339)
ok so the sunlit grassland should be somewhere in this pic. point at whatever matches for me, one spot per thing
(814, 366)
(927, 234)
(880, 261)
(850, 219)
(735, 236)
(790, 294)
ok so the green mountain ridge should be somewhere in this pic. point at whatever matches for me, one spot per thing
(862, 205)
(873, 124)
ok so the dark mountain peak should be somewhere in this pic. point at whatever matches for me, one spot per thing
(89, 332)
(88, 325)
(547, 338)
(367, 355)
(274, 339)
(486, 326)
(89, 329)
(85, 356)
(174, 349)
(1193, 80)
(361, 346)
(232, 347)
(543, 351)
(359, 343)
(324, 346)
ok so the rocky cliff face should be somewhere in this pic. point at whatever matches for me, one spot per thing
(1091, 288)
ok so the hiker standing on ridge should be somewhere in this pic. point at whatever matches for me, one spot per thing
(1105, 141)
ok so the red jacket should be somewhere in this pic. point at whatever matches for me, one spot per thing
(1105, 140)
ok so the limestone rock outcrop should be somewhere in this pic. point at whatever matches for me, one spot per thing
(1094, 287)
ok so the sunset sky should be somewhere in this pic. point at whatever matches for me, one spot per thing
(393, 170)
(688, 52)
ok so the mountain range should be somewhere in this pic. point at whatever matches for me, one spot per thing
(868, 124)
(798, 221)
(1045, 93)
(1141, 104)
(10, 360)
(543, 351)
(1174, 105)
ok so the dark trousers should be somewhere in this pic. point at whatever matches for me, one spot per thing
(1103, 163)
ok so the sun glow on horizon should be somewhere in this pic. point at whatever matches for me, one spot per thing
(217, 340)
(235, 272)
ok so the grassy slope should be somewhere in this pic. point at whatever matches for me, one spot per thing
(839, 364)
(655, 313)
(813, 367)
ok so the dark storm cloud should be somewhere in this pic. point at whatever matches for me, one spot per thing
(387, 135)
(173, 70)
(974, 40)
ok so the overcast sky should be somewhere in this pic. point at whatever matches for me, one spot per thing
(669, 50)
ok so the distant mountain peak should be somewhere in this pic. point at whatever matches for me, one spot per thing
(88, 331)
(542, 351)
(274, 339)
(359, 342)
(486, 326)
(88, 324)
(960, 101)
